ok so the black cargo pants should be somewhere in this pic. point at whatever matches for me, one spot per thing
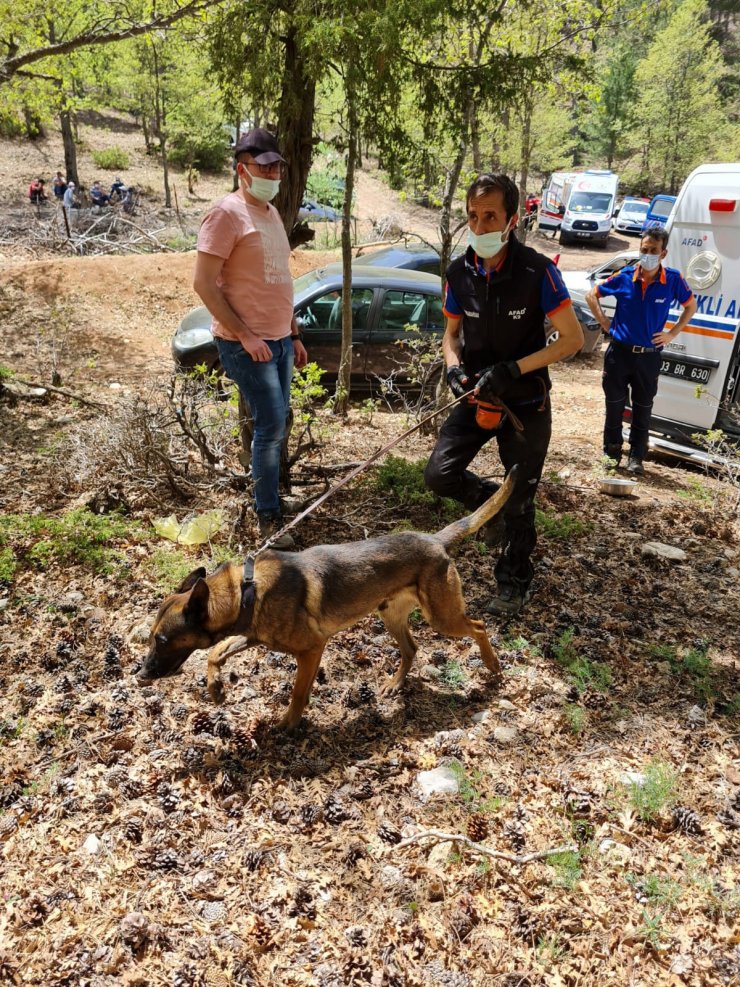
(447, 474)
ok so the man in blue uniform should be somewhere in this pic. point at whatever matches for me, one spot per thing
(645, 295)
(494, 345)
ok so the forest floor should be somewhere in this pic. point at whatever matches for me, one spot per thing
(150, 838)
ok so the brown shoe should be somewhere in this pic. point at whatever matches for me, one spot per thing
(268, 526)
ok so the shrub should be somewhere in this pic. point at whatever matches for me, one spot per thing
(202, 148)
(655, 792)
(111, 159)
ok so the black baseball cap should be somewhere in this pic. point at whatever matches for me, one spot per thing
(261, 144)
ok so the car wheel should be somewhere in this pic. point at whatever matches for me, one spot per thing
(563, 239)
(552, 337)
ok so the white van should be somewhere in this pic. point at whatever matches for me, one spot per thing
(699, 386)
(554, 200)
(589, 207)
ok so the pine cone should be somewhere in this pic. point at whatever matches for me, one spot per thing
(103, 803)
(454, 750)
(388, 833)
(8, 967)
(192, 759)
(729, 818)
(356, 969)
(464, 918)
(364, 792)
(221, 726)
(350, 699)
(281, 812)
(133, 829)
(65, 706)
(243, 975)
(50, 662)
(526, 926)
(233, 806)
(44, 738)
(261, 933)
(201, 722)
(253, 859)
(179, 712)
(169, 798)
(34, 910)
(244, 744)
(117, 719)
(303, 904)
(578, 803)
(334, 811)
(120, 694)
(311, 814)
(355, 851)
(513, 831)
(357, 936)
(31, 688)
(131, 789)
(112, 673)
(686, 820)
(189, 976)
(134, 929)
(477, 827)
(366, 694)
(165, 860)
(225, 785)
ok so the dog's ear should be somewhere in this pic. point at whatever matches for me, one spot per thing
(192, 579)
(196, 609)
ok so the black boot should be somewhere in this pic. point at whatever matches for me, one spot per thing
(614, 451)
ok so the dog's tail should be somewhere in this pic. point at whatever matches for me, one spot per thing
(458, 530)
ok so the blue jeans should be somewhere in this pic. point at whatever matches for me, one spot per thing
(266, 389)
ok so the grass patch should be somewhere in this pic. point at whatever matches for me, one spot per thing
(575, 717)
(567, 868)
(111, 159)
(696, 491)
(470, 792)
(403, 483)
(656, 793)
(170, 566)
(692, 664)
(453, 675)
(582, 672)
(659, 892)
(561, 526)
(8, 564)
(76, 537)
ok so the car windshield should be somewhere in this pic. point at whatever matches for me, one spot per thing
(590, 202)
(662, 210)
(638, 208)
(304, 282)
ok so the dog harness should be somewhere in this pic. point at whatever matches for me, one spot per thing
(246, 607)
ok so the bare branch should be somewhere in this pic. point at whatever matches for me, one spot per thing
(100, 35)
(513, 858)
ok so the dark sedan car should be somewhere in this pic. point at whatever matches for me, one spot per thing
(409, 257)
(385, 303)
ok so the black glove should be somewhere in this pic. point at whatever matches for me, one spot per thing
(497, 380)
(458, 381)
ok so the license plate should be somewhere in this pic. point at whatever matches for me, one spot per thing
(685, 371)
(578, 233)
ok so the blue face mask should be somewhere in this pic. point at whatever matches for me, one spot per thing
(487, 245)
(649, 262)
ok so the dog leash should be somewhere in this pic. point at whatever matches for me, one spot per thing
(516, 422)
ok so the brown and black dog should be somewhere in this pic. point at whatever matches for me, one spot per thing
(296, 601)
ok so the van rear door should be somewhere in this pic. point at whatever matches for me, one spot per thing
(699, 369)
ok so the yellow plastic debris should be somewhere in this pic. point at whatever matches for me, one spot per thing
(194, 531)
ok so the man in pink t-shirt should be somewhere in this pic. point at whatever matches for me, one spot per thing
(243, 278)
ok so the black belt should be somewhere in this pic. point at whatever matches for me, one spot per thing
(634, 349)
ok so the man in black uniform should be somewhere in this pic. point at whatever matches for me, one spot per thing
(498, 294)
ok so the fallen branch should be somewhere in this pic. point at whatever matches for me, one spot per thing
(440, 837)
(66, 393)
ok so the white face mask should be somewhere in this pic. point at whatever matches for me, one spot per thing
(648, 262)
(487, 245)
(263, 189)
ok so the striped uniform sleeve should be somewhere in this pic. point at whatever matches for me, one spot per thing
(451, 308)
(554, 295)
(615, 283)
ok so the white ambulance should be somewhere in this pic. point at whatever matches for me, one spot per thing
(589, 208)
(699, 386)
(554, 200)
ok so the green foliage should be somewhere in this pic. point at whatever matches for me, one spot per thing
(8, 564)
(655, 793)
(325, 182)
(111, 159)
(11, 124)
(561, 526)
(549, 948)
(305, 390)
(453, 674)
(652, 931)
(201, 146)
(77, 537)
(5, 372)
(470, 793)
(567, 867)
(170, 566)
(575, 717)
(403, 482)
(582, 672)
(692, 663)
(660, 892)
(696, 491)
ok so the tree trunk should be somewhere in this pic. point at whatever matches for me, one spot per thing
(524, 169)
(160, 122)
(70, 148)
(341, 394)
(445, 227)
(295, 130)
(34, 126)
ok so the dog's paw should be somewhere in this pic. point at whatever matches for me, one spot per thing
(217, 692)
(288, 725)
(391, 688)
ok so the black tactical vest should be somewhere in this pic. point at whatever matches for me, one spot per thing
(502, 315)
